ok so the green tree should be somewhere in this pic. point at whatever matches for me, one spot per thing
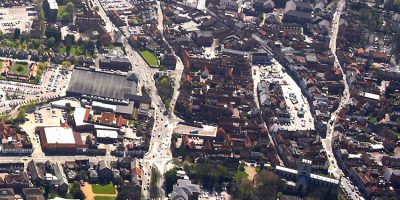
(76, 191)
(82, 175)
(66, 17)
(129, 191)
(154, 191)
(51, 42)
(70, 8)
(17, 33)
(170, 180)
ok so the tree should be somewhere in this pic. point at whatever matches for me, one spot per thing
(82, 175)
(96, 8)
(17, 33)
(66, 17)
(105, 39)
(154, 191)
(52, 31)
(50, 42)
(69, 40)
(129, 191)
(76, 191)
(170, 180)
(70, 8)
(268, 185)
(118, 180)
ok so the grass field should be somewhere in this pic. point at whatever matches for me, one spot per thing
(103, 189)
(150, 58)
(19, 69)
(103, 198)
(240, 175)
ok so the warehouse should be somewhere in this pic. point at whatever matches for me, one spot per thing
(102, 86)
(60, 140)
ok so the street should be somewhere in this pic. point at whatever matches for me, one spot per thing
(327, 142)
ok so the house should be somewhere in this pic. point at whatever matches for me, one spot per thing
(104, 170)
(185, 190)
(55, 177)
(11, 167)
(51, 9)
(203, 38)
(136, 172)
(36, 173)
(93, 176)
(168, 61)
(7, 194)
(33, 194)
(16, 181)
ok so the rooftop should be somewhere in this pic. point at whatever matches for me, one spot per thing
(59, 135)
(100, 84)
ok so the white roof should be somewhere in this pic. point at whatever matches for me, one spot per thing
(325, 179)
(371, 96)
(59, 135)
(107, 134)
(79, 116)
(285, 169)
(103, 105)
(377, 146)
(53, 4)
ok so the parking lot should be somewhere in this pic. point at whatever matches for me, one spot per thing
(15, 17)
(298, 107)
(53, 84)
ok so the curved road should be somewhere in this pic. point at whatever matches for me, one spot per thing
(345, 99)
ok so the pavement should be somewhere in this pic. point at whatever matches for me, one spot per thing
(275, 73)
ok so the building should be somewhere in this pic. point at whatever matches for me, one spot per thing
(33, 194)
(7, 194)
(15, 181)
(115, 60)
(105, 171)
(89, 21)
(60, 140)
(136, 173)
(304, 178)
(185, 190)
(51, 9)
(101, 86)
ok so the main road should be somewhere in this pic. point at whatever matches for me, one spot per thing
(159, 154)
(345, 99)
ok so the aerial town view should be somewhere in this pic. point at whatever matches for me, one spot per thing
(200, 99)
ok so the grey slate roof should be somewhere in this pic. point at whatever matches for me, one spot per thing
(101, 84)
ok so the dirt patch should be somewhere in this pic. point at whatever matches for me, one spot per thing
(251, 171)
(87, 190)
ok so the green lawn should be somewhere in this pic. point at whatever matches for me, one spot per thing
(19, 68)
(103, 189)
(150, 58)
(240, 175)
(103, 198)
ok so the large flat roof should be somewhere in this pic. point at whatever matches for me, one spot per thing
(59, 135)
(100, 84)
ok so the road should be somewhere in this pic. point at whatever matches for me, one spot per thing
(327, 142)
(159, 154)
